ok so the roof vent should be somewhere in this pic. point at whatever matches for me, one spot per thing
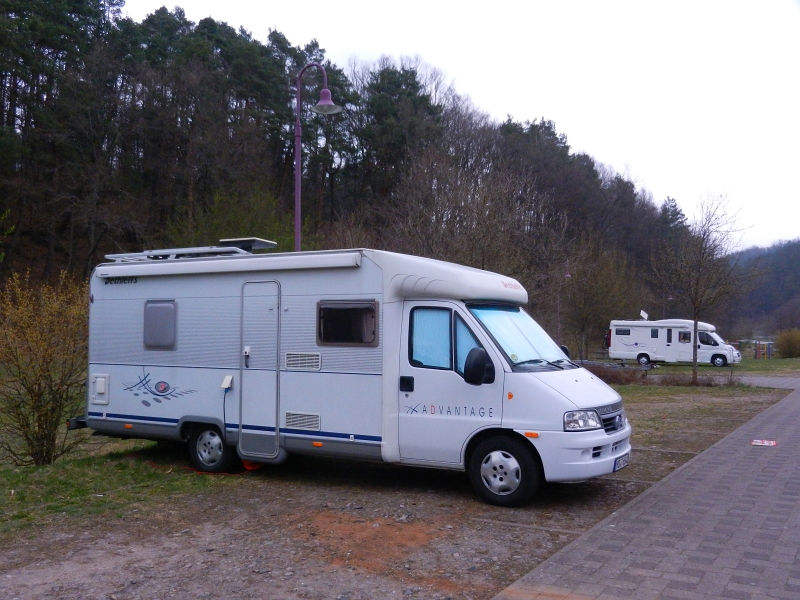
(247, 244)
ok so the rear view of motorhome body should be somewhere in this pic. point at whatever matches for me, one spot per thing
(362, 354)
(668, 340)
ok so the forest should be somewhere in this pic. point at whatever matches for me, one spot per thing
(123, 136)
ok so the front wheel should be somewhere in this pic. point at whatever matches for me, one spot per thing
(719, 361)
(208, 451)
(504, 472)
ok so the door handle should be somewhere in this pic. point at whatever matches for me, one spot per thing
(246, 353)
(406, 384)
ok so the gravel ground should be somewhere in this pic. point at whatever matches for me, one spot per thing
(312, 528)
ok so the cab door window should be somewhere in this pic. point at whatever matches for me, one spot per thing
(439, 339)
(706, 339)
(430, 345)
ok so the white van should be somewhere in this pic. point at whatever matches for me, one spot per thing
(353, 353)
(668, 340)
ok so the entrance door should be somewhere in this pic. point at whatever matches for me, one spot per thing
(438, 410)
(259, 390)
(685, 351)
(671, 348)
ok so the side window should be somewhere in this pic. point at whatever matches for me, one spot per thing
(685, 337)
(669, 336)
(430, 338)
(654, 333)
(160, 324)
(465, 341)
(347, 323)
(623, 332)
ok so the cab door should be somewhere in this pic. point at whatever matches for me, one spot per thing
(438, 410)
(706, 347)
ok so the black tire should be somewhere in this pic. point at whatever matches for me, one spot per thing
(643, 360)
(504, 472)
(719, 361)
(209, 452)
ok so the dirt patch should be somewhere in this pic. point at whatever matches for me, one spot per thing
(310, 529)
(326, 529)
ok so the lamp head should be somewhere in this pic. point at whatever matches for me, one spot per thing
(326, 105)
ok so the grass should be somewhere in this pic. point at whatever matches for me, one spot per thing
(774, 366)
(748, 366)
(119, 476)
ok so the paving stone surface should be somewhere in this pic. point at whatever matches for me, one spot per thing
(724, 525)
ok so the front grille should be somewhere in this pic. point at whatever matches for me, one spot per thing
(609, 408)
(614, 422)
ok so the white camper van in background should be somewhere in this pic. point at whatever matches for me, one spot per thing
(353, 353)
(668, 340)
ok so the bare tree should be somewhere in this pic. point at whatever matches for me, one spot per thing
(602, 286)
(699, 267)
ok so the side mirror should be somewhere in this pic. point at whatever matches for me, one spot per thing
(565, 350)
(475, 366)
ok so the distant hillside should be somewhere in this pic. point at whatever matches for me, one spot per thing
(774, 303)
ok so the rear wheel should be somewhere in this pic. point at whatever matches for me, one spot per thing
(719, 361)
(643, 359)
(209, 452)
(504, 472)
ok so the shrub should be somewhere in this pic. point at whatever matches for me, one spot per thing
(788, 342)
(43, 357)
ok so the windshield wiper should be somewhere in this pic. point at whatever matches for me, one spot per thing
(534, 361)
(566, 360)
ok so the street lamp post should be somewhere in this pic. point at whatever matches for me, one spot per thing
(558, 308)
(324, 107)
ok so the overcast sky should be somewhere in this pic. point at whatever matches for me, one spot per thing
(688, 99)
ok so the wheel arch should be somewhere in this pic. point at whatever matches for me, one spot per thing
(485, 434)
(187, 425)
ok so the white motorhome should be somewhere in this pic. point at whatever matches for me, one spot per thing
(353, 353)
(668, 340)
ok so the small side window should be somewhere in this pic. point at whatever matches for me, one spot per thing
(685, 337)
(465, 341)
(160, 324)
(623, 332)
(654, 333)
(347, 323)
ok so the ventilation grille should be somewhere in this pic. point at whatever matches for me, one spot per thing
(302, 421)
(303, 361)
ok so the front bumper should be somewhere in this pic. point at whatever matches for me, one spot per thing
(578, 456)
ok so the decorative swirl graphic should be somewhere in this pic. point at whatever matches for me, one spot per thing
(161, 390)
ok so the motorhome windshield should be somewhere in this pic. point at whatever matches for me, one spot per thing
(524, 342)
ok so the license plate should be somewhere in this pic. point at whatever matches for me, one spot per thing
(621, 462)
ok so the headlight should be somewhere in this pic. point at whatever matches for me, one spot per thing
(582, 420)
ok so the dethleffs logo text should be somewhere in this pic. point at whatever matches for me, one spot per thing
(121, 280)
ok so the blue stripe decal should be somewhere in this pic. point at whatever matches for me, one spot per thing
(326, 434)
(133, 418)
